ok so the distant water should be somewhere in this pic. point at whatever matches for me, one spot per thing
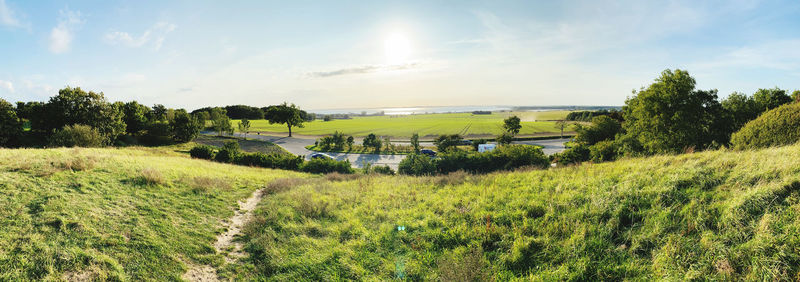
(456, 109)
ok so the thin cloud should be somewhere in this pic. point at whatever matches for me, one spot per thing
(363, 70)
(7, 85)
(63, 33)
(153, 36)
(8, 17)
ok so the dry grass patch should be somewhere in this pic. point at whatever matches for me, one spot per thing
(201, 184)
(150, 176)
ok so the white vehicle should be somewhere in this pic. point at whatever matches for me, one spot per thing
(486, 147)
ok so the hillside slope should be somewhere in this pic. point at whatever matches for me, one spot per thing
(715, 215)
(115, 214)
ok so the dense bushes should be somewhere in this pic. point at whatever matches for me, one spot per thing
(502, 158)
(230, 153)
(773, 128)
(10, 126)
(78, 136)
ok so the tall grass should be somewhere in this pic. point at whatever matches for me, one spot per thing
(717, 215)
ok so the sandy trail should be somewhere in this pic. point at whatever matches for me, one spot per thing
(225, 240)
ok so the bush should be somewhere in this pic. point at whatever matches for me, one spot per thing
(281, 161)
(385, 169)
(776, 127)
(446, 142)
(327, 166)
(415, 164)
(603, 151)
(228, 153)
(202, 152)
(502, 158)
(78, 136)
(577, 154)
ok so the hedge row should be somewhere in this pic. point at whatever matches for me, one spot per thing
(502, 158)
(230, 153)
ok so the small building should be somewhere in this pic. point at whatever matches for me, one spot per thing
(486, 147)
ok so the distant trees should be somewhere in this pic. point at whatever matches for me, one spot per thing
(222, 124)
(184, 126)
(602, 128)
(562, 124)
(512, 125)
(415, 142)
(767, 99)
(741, 109)
(244, 126)
(78, 135)
(286, 114)
(445, 143)
(75, 106)
(372, 141)
(135, 116)
(10, 125)
(244, 112)
(350, 141)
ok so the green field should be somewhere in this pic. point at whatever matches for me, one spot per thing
(114, 214)
(717, 215)
(533, 123)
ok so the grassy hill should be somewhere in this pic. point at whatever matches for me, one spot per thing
(718, 215)
(425, 125)
(115, 214)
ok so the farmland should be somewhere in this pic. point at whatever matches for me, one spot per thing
(533, 123)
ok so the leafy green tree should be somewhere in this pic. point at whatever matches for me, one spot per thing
(75, 106)
(10, 125)
(512, 125)
(244, 126)
(504, 139)
(563, 124)
(602, 128)
(372, 141)
(77, 135)
(158, 113)
(135, 117)
(350, 141)
(670, 116)
(741, 109)
(286, 114)
(796, 96)
(184, 126)
(415, 142)
(222, 125)
(446, 143)
(202, 118)
(768, 99)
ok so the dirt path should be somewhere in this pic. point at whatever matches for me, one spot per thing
(225, 240)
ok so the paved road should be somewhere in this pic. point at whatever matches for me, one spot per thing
(297, 146)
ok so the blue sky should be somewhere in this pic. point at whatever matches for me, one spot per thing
(353, 54)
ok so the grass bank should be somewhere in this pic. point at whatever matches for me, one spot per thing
(717, 215)
(115, 214)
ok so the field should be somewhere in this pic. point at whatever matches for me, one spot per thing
(533, 123)
(249, 145)
(718, 215)
(115, 214)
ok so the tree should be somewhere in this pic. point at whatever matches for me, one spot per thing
(372, 141)
(512, 125)
(222, 125)
(77, 135)
(505, 138)
(445, 143)
(158, 113)
(184, 126)
(135, 117)
(768, 99)
(286, 114)
(244, 112)
(10, 125)
(562, 124)
(796, 96)
(415, 142)
(670, 116)
(602, 128)
(244, 126)
(741, 109)
(350, 142)
(75, 106)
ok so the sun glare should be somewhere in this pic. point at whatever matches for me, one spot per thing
(397, 48)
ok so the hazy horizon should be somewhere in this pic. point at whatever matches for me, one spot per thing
(329, 55)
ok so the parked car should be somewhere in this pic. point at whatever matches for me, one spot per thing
(319, 156)
(428, 152)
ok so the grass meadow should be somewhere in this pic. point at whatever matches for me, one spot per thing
(126, 214)
(718, 215)
(533, 123)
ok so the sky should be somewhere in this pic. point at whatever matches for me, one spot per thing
(371, 54)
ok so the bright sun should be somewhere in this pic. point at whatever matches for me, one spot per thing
(397, 48)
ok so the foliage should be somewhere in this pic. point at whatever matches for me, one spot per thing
(670, 116)
(372, 141)
(477, 143)
(350, 142)
(741, 109)
(577, 154)
(280, 161)
(767, 99)
(77, 135)
(415, 142)
(446, 143)
(414, 164)
(244, 126)
(589, 115)
(504, 139)
(334, 142)
(243, 112)
(202, 152)
(228, 153)
(286, 114)
(776, 127)
(324, 165)
(75, 106)
(512, 125)
(602, 128)
(184, 126)
(222, 125)
(604, 151)
(10, 125)
(501, 158)
(381, 169)
(135, 117)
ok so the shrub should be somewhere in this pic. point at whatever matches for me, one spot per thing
(10, 125)
(577, 154)
(603, 151)
(415, 164)
(776, 127)
(446, 142)
(281, 161)
(327, 166)
(202, 152)
(78, 136)
(502, 158)
(385, 169)
(504, 139)
(228, 153)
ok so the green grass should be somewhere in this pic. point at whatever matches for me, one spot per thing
(717, 215)
(115, 214)
(247, 145)
(425, 125)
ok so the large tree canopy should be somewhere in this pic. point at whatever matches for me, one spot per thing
(75, 106)
(10, 125)
(670, 115)
(286, 114)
